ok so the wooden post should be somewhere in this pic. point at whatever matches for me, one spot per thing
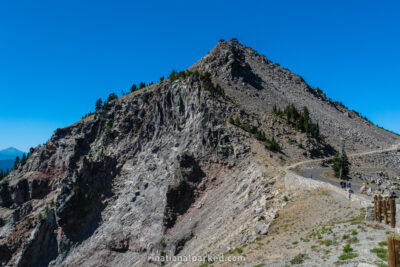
(375, 208)
(380, 209)
(385, 215)
(393, 250)
(392, 213)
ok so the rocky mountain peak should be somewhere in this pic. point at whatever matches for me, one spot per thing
(229, 60)
(180, 167)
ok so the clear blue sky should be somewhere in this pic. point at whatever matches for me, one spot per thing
(58, 57)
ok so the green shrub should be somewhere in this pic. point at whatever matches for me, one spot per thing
(347, 248)
(347, 256)
(299, 259)
(327, 242)
(382, 243)
(270, 144)
(381, 253)
(239, 250)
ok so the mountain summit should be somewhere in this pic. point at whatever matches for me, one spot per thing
(187, 166)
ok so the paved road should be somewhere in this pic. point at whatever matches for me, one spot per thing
(317, 174)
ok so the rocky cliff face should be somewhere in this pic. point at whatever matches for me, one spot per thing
(164, 171)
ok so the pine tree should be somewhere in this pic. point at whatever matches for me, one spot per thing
(111, 97)
(31, 150)
(23, 160)
(173, 76)
(133, 88)
(16, 162)
(341, 162)
(142, 85)
(99, 104)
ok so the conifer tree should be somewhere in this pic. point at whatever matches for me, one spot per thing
(16, 162)
(99, 104)
(111, 97)
(23, 160)
(133, 88)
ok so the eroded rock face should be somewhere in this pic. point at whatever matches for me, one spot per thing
(41, 248)
(159, 171)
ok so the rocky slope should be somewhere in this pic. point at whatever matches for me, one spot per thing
(165, 171)
(260, 84)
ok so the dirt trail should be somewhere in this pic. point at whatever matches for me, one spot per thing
(393, 148)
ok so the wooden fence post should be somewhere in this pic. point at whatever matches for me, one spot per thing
(380, 209)
(385, 214)
(375, 208)
(393, 250)
(392, 212)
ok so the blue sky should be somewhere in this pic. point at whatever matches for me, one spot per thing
(58, 57)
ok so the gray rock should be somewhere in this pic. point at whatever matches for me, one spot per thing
(262, 227)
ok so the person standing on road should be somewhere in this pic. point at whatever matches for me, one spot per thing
(348, 186)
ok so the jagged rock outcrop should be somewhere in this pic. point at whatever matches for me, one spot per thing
(163, 171)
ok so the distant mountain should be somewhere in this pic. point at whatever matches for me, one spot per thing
(10, 153)
(6, 164)
(7, 157)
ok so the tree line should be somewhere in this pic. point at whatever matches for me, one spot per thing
(300, 120)
(4, 173)
(19, 161)
(205, 78)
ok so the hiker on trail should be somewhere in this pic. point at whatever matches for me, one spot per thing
(342, 184)
(349, 186)
(349, 194)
